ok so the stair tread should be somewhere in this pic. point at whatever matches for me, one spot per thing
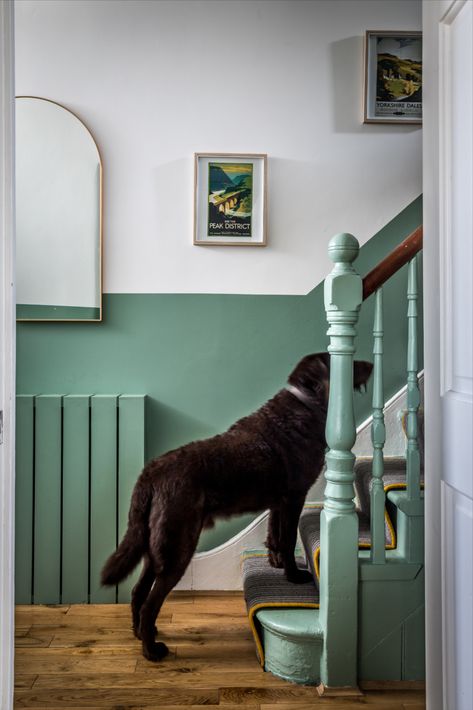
(309, 527)
(394, 474)
(265, 584)
(295, 623)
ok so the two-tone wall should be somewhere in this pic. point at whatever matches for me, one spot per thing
(209, 333)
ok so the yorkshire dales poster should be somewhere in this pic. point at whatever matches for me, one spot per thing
(399, 77)
(230, 199)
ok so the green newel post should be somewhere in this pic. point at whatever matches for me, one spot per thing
(339, 522)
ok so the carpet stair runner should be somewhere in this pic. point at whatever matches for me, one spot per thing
(276, 606)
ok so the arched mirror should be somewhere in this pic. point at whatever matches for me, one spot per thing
(58, 214)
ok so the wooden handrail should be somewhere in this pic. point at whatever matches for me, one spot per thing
(393, 262)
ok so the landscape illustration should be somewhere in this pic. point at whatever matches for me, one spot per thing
(399, 76)
(230, 199)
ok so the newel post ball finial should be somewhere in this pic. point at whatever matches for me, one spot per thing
(343, 248)
(343, 286)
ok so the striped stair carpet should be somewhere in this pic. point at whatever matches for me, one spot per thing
(268, 588)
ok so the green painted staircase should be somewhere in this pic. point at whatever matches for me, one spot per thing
(284, 617)
(362, 617)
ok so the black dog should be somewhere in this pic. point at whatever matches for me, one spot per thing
(266, 460)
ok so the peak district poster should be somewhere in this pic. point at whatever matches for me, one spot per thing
(230, 191)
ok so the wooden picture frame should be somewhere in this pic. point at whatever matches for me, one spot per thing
(230, 199)
(393, 77)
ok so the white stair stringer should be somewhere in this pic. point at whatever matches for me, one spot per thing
(220, 568)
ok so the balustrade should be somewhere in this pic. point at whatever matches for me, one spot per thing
(344, 293)
(378, 437)
(413, 394)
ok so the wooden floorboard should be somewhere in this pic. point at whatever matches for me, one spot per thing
(85, 656)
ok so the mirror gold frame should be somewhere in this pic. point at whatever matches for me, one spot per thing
(100, 232)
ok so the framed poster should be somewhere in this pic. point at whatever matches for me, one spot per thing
(393, 77)
(230, 199)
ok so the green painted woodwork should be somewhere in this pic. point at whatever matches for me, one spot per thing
(396, 568)
(384, 662)
(391, 640)
(378, 437)
(413, 394)
(205, 360)
(26, 311)
(47, 500)
(371, 604)
(391, 628)
(24, 499)
(409, 526)
(293, 642)
(103, 492)
(414, 645)
(131, 454)
(75, 497)
(408, 506)
(338, 520)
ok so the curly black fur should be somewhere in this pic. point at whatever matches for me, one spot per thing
(268, 459)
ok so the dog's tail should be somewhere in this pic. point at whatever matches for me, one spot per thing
(134, 544)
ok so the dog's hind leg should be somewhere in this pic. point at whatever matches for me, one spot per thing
(140, 592)
(170, 553)
(153, 650)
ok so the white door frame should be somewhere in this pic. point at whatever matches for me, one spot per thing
(7, 355)
(431, 13)
(441, 570)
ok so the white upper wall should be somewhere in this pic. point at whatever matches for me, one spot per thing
(158, 80)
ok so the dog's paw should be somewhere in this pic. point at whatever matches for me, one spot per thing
(275, 559)
(137, 633)
(155, 651)
(299, 576)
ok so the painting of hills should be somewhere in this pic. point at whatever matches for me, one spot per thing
(399, 69)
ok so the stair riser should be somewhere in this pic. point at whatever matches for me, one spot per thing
(292, 659)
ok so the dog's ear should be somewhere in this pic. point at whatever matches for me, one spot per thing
(361, 373)
(323, 383)
(312, 373)
(325, 359)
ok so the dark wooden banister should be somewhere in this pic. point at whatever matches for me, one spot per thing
(393, 262)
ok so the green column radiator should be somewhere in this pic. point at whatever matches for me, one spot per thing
(77, 459)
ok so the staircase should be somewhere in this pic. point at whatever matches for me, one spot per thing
(362, 616)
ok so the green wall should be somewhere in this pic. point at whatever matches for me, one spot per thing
(206, 360)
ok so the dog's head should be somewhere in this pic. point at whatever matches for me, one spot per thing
(312, 374)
